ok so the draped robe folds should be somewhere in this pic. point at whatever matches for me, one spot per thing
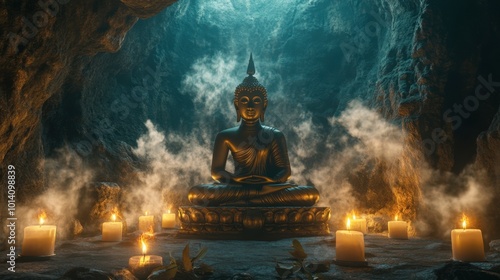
(263, 155)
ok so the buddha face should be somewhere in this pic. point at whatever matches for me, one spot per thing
(251, 105)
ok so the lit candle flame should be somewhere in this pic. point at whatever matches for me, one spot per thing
(348, 224)
(41, 217)
(142, 242)
(144, 247)
(113, 217)
(146, 213)
(354, 216)
(396, 217)
(464, 221)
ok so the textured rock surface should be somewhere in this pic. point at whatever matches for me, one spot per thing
(41, 47)
(42, 44)
(101, 201)
(417, 63)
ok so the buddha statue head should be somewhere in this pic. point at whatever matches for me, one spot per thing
(250, 97)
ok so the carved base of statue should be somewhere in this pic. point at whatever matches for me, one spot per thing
(254, 222)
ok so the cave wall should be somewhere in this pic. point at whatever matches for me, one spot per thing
(44, 43)
(82, 84)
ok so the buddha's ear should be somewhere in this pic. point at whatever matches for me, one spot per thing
(238, 115)
(263, 112)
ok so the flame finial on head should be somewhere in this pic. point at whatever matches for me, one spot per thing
(251, 66)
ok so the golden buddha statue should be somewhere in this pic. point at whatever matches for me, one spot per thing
(261, 160)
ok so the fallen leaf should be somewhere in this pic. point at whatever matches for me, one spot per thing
(186, 260)
(298, 253)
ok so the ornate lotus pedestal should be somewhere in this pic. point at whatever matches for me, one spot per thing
(254, 222)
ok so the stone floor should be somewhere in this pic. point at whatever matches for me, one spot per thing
(416, 258)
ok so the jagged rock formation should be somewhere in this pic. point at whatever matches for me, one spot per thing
(43, 43)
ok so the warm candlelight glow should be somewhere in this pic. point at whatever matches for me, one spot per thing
(112, 231)
(41, 217)
(467, 243)
(144, 264)
(397, 229)
(349, 244)
(168, 218)
(144, 247)
(147, 223)
(39, 240)
(357, 222)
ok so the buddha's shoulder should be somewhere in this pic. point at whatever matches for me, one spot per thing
(274, 131)
(228, 132)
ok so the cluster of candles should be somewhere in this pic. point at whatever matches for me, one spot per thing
(147, 222)
(39, 240)
(467, 244)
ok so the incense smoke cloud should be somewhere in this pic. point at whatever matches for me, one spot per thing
(174, 164)
(447, 196)
(442, 195)
(211, 83)
(357, 135)
(66, 175)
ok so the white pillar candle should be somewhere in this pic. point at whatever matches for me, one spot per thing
(146, 223)
(467, 244)
(349, 245)
(168, 220)
(39, 240)
(112, 231)
(358, 224)
(398, 229)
